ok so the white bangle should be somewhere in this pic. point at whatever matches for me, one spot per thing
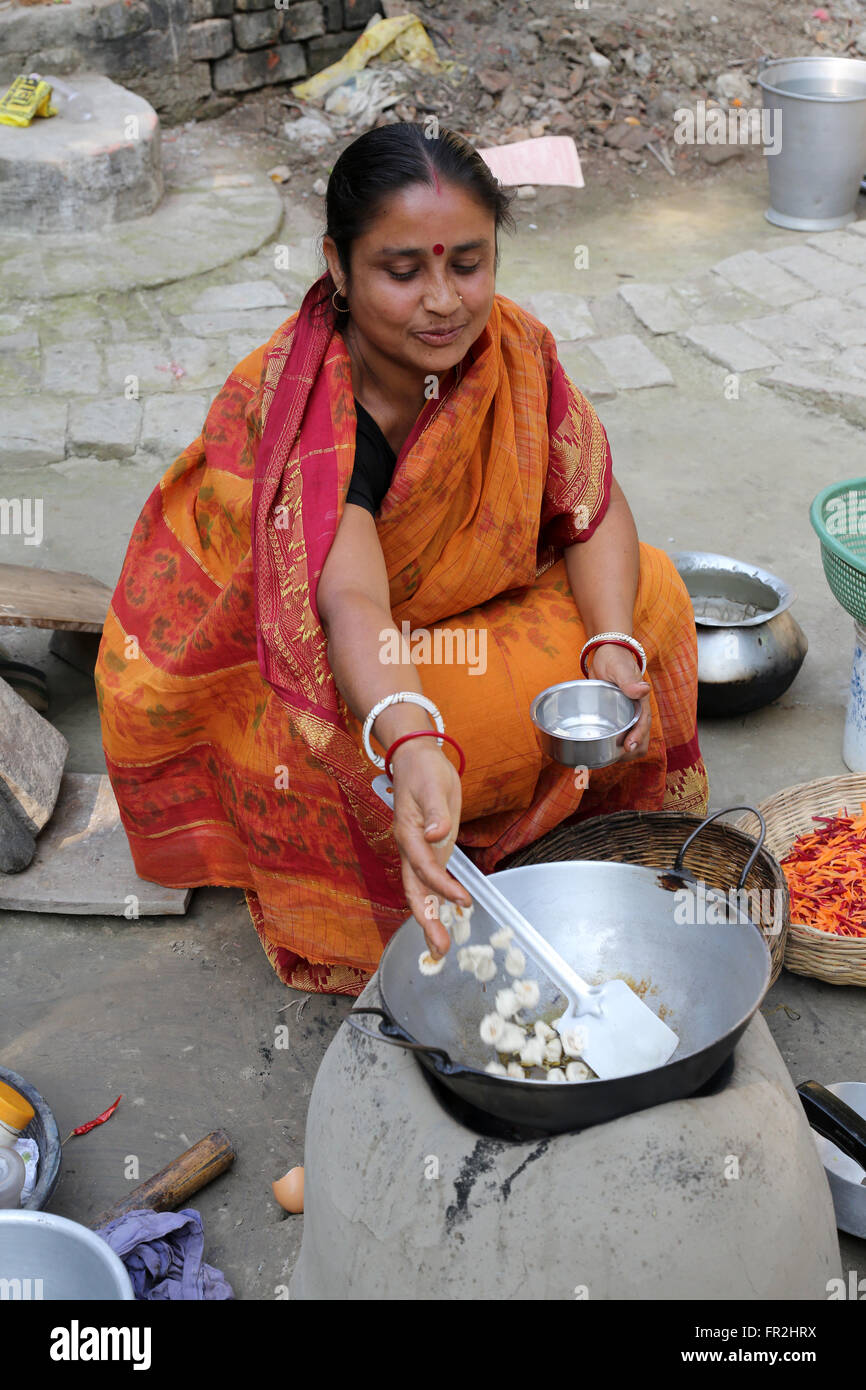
(621, 639)
(402, 697)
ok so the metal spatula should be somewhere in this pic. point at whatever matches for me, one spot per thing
(623, 1035)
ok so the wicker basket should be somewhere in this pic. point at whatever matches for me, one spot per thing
(839, 960)
(654, 838)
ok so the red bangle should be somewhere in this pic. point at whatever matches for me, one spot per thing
(424, 733)
(592, 647)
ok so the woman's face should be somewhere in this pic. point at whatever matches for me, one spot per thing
(425, 249)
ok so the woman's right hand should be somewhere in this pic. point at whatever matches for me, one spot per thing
(427, 802)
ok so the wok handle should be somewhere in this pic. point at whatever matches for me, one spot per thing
(835, 1120)
(678, 865)
(398, 1040)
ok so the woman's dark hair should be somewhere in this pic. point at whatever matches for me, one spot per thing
(389, 158)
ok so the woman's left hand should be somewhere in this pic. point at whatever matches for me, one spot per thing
(621, 667)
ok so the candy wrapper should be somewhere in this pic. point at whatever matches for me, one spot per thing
(26, 98)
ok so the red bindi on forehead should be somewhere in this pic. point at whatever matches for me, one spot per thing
(438, 249)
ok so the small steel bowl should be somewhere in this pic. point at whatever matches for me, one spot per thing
(583, 723)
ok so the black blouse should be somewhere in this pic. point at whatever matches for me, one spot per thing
(375, 462)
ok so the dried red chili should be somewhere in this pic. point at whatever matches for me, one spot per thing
(100, 1120)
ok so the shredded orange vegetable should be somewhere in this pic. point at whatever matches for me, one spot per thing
(826, 874)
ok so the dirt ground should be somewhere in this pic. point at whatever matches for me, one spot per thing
(611, 76)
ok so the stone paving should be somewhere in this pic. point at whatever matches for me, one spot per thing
(124, 369)
(792, 318)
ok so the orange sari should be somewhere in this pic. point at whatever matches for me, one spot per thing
(232, 755)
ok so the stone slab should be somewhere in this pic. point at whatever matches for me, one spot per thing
(170, 423)
(587, 373)
(32, 432)
(204, 362)
(251, 294)
(708, 298)
(31, 597)
(833, 320)
(851, 249)
(104, 428)
(17, 844)
(20, 372)
(753, 273)
(629, 363)
(568, 316)
(826, 274)
(823, 387)
(32, 757)
(219, 322)
(729, 345)
(657, 307)
(792, 340)
(68, 367)
(83, 864)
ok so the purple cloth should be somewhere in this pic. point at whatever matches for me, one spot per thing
(162, 1252)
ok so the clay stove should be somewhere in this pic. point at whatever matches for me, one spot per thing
(721, 1196)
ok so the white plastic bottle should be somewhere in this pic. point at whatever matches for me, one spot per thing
(12, 1176)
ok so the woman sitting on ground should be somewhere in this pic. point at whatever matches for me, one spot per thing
(403, 468)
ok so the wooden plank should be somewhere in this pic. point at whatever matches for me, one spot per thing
(32, 597)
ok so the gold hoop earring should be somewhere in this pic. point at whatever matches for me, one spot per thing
(336, 306)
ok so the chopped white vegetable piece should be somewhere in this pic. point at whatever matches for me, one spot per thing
(527, 992)
(469, 956)
(515, 961)
(573, 1042)
(447, 915)
(501, 938)
(555, 1074)
(544, 1031)
(461, 928)
(553, 1052)
(532, 1053)
(485, 971)
(507, 1003)
(492, 1028)
(515, 1070)
(428, 966)
(496, 1069)
(577, 1071)
(512, 1039)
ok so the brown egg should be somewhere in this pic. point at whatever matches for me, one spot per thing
(289, 1190)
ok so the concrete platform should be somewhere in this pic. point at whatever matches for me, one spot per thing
(63, 175)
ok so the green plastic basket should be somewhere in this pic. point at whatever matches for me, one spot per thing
(838, 515)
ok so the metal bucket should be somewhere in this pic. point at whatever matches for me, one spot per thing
(43, 1256)
(815, 175)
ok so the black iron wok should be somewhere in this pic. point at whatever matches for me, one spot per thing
(607, 920)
